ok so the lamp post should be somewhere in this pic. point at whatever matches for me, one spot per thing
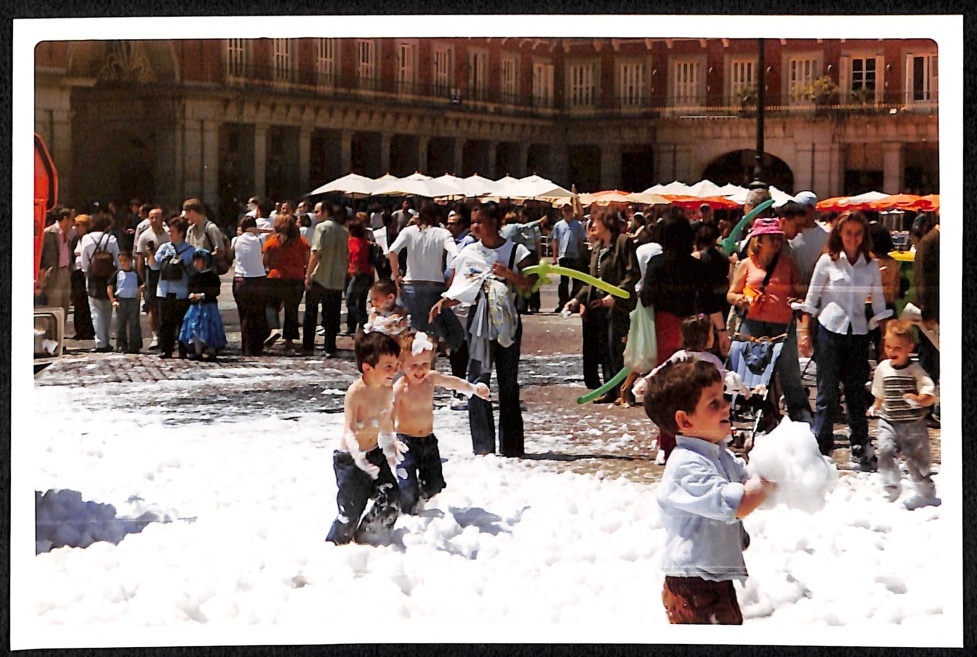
(758, 182)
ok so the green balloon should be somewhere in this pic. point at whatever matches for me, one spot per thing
(604, 389)
(543, 269)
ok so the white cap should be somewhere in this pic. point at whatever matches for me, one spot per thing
(809, 199)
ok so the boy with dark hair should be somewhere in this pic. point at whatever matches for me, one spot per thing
(369, 450)
(124, 290)
(704, 493)
(903, 394)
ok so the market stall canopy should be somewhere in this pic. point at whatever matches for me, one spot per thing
(905, 202)
(533, 187)
(714, 202)
(729, 189)
(416, 184)
(842, 203)
(645, 198)
(779, 196)
(704, 189)
(612, 196)
(475, 185)
(451, 185)
(351, 184)
(674, 188)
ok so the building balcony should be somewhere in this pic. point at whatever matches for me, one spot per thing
(310, 83)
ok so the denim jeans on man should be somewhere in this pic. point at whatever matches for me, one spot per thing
(419, 297)
(331, 302)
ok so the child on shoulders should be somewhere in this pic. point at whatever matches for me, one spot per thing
(420, 473)
(704, 494)
(369, 451)
(903, 392)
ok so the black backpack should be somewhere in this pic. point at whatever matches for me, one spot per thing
(173, 268)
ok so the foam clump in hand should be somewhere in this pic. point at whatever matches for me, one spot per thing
(789, 456)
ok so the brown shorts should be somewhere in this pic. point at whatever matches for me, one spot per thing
(696, 601)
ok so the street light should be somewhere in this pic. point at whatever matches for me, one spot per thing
(758, 182)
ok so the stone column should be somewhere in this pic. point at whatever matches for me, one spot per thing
(385, 139)
(804, 167)
(610, 166)
(345, 152)
(423, 142)
(492, 153)
(192, 156)
(893, 160)
(210, 145)
(305, 155)
(459, 157)
(522, 160)
(260, 157)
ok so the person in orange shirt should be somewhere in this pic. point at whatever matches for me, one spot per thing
(286, 254)
(360, 273)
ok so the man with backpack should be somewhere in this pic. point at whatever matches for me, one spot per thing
(205, 234)
(99, 260)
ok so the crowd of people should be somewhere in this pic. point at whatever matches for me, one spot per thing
(825, 288)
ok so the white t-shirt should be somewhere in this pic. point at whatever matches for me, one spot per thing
(160, 238)
(477, 252)
(645, 253)
(425, 250)
(264, 224)
(248, 261)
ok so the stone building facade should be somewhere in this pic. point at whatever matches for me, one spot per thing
(222, 119)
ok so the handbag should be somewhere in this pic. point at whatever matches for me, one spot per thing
(641, 351)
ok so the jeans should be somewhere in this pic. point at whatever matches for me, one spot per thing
(356, 293)
(480, 418)
(611, 329)
(249, 295)
(331, 302)
(171, 314)
(128, 333)
(788, 369)
(841, 358)
(419, 297)
(420, 472)
(102, 318)
(594, 348)
(84, 329)
(288, 294)
(356, 488)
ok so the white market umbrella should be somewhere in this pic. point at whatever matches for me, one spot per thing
(703, 188)
(452, 186)
(729, 189)
(867, 197)
(351, 184)
(533, 187)
(475, 185)
(407, 187)
(674, 188)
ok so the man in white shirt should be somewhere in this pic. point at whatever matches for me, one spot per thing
(569, 245)
(149, 240)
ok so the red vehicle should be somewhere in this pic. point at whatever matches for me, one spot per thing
(48, 322)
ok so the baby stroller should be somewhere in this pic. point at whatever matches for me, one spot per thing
(754, 360)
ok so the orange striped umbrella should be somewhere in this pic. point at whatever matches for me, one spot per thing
(714, 202)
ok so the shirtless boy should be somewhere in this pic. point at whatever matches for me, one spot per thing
(369, 451)
(420, 471)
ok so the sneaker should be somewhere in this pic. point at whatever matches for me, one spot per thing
(154, 344)
(918, 502)
(660, 457)
(272, 339)
(459, 403)
(320, 331)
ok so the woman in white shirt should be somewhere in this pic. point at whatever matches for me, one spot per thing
(421, 287)
(249, 287)
(844, 278)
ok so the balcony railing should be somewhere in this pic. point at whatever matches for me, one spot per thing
(314, 84)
